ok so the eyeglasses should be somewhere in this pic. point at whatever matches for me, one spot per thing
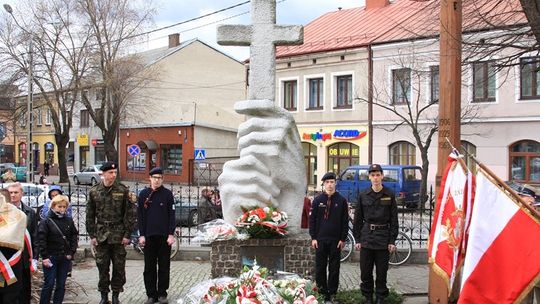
(156, 177)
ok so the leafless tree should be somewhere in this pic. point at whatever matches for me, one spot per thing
(113, 26)
(60, 60)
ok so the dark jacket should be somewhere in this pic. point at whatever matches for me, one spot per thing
(51, 242)
(32, 227)
(109, 213)
(158, 218)
(335, 225)
(377, 208)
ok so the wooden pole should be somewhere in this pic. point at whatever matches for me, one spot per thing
(449, 109)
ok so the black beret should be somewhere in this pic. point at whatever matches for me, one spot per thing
(108, 166)
(156, 170)
(328, 175)
(527, 191)
(375, 167)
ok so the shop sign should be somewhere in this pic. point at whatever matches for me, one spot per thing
(82, 139)
(343, 152)
(337, 135)
(49, 146)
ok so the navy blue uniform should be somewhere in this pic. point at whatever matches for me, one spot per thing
(328, 224)
(375, 227)
(155, 210)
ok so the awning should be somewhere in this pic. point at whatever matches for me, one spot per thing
(147, 145)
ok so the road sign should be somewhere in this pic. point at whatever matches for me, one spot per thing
(200, 154)
(134, 150)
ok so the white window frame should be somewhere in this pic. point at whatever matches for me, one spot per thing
(307, 78)
(333, 90)
(281, 92)
(48, 117)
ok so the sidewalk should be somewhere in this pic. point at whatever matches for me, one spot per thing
(410, 280)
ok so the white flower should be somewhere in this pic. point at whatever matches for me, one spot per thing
(266, 210)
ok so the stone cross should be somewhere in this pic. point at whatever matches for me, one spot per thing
(262, 37)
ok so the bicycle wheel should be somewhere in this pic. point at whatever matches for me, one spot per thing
(404, 250)
(349, 247)
(177, 239)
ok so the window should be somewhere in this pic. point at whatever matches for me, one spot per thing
(310, 161)
(401, 86)
(342, 155)
(84, 118)
(316, 93)
(348, 174)
(344, 91)
(289, 95)
(469, 152)
(171, 159)
(99, 154)
(135, 163)
(39, 118)
(68, 99)
(48, 117)
(530, 77)
(22, 119)
(402, 153)
(434, 84)
(100, 93)
(484, 81)
(525, 161)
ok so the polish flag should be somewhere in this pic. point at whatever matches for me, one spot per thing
(445, 248)
(503, 257)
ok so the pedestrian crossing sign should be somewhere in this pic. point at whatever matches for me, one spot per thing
(200, 154)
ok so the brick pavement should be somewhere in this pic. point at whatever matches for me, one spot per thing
(407, 279)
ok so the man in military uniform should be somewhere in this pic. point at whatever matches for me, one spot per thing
(375, 229)
(110, 219)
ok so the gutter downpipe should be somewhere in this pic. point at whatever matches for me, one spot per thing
(370, 104)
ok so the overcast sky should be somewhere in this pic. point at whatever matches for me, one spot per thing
(288, 12)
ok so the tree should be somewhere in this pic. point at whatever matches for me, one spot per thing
(60, 60)
(113, 26)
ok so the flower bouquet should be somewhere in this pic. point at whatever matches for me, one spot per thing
(253, 287)
(263, 223)
(216, 230)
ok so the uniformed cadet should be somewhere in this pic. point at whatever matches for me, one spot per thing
(110, 219)
(375, 229)
(155, 211)
(328, 226)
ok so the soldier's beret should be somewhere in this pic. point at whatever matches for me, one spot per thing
(156, 170)
(108, 166)
(328, 175)
(375, 167)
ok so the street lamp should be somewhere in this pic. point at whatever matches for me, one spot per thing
(30, 101)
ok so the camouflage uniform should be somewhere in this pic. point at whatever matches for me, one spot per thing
(109, 218)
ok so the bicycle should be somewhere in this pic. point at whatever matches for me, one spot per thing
(398, 257)
(134, 241)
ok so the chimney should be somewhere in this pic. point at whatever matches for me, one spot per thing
(174, 40)
(376, 3)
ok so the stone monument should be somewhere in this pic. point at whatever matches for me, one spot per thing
(270, 170)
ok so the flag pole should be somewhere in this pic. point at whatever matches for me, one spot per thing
(502, 184)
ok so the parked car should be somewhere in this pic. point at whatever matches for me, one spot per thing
(5, 166)
(186, 212)
(403, 180)
(90, 175)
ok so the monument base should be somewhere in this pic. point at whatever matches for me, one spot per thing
(289, 254)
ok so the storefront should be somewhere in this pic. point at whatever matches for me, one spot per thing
(332, 148)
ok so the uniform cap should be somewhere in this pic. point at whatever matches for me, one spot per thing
(328, 175)
(375, 167)
(108, 166)
(156, 170)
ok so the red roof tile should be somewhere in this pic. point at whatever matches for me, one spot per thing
(401, 20)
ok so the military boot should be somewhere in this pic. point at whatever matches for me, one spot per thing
(104, 298)
(115, 299)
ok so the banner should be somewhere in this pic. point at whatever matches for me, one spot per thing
(503, 257)
(446, 240)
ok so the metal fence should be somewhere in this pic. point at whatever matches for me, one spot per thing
(416, 223)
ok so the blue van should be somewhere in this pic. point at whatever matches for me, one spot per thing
(403, 180)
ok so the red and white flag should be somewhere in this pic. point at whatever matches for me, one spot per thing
(445, 248)
(503, 257)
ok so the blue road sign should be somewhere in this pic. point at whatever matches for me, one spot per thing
(134, 150)
(200, 154)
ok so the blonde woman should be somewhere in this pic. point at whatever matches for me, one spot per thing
(57, 241)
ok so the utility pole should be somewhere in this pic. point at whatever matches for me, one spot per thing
(449, 109)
